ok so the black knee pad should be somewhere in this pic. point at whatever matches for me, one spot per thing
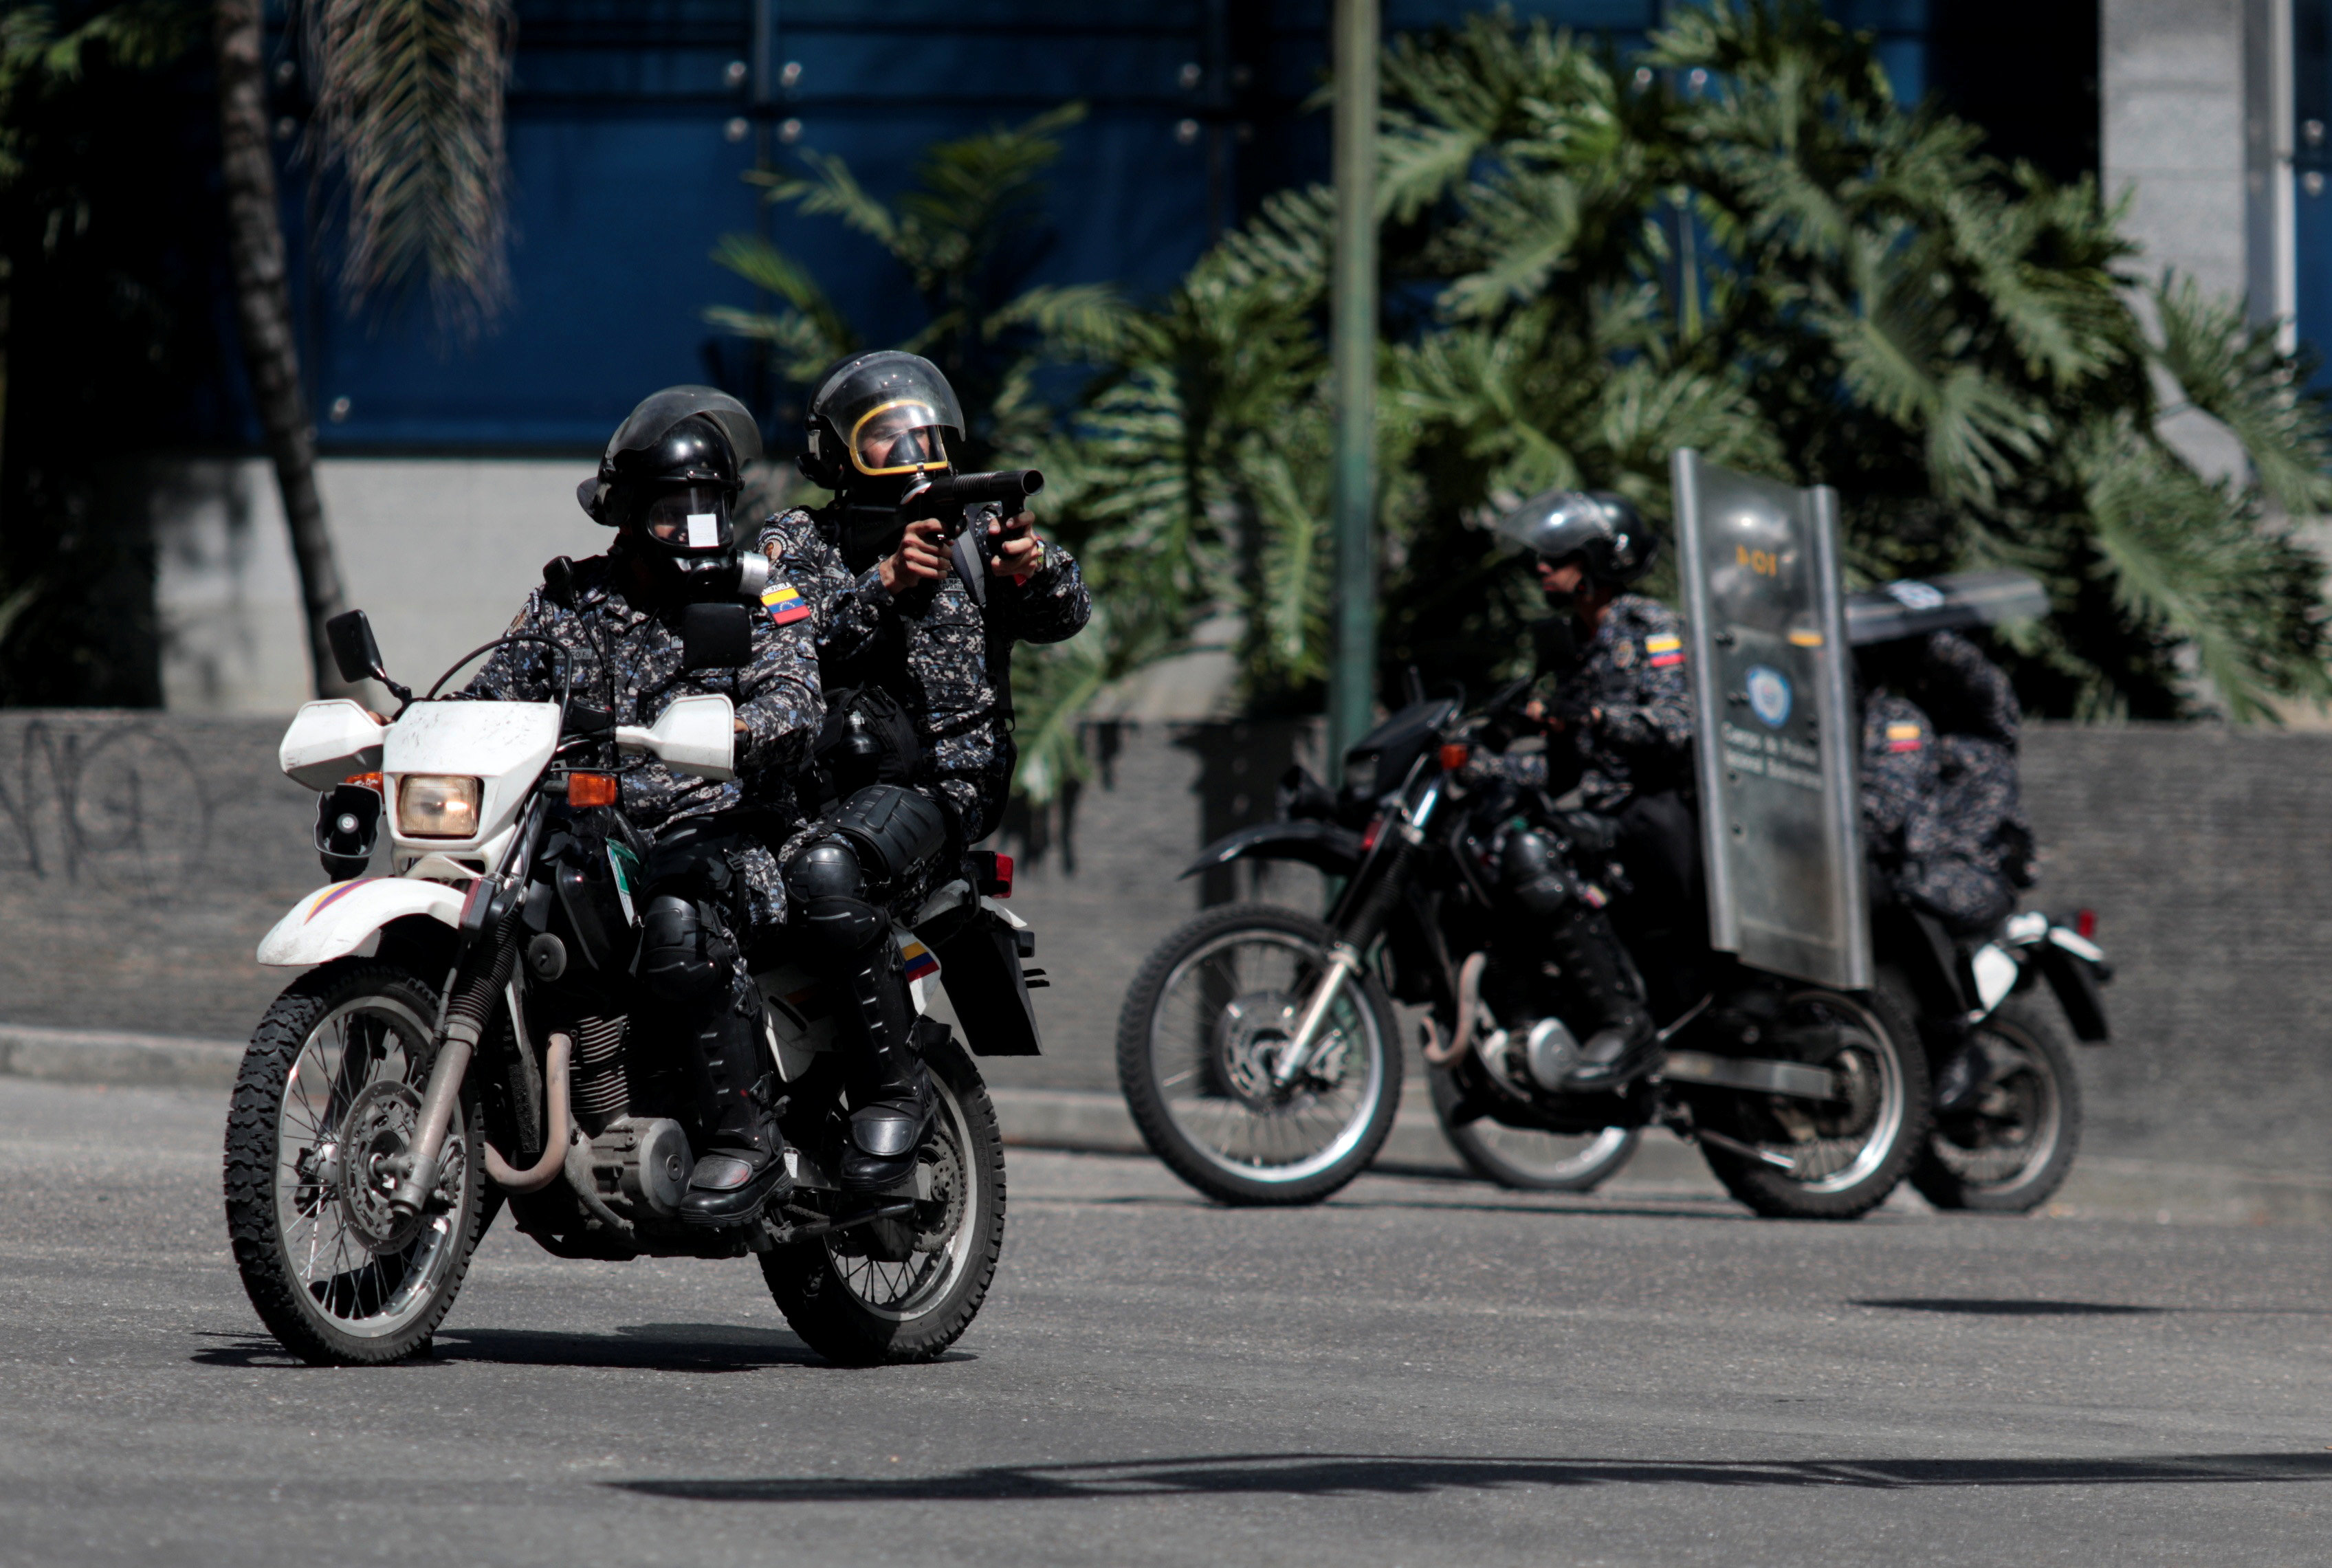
(894, 830)
(1534, 871)
(829, 868)
(677, 958)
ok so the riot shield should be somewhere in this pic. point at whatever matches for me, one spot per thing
(1776, 737)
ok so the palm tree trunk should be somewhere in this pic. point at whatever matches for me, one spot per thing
(271, 351)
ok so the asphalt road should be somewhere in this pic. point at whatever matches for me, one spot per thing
(1419, 1372)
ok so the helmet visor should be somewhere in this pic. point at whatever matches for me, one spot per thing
(1555, 524)
(904, 436)
(689, 518)
(892, 412)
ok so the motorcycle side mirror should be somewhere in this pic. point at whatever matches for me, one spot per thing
(354, 648)
(716, 637)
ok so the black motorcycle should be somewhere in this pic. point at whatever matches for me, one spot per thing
(1258, 1048)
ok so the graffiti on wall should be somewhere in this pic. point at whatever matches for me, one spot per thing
(117, 805)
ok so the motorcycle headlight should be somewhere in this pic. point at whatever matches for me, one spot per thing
(437, 806)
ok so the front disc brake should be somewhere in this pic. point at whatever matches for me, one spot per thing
(376, 1140)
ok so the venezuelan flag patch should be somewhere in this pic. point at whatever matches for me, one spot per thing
(920, 964)
(1663, 651)
(785, 604)
(1903, 737)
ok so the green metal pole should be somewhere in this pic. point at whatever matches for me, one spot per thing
(1352, 349)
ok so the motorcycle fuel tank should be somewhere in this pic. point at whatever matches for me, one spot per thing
(1775, 738)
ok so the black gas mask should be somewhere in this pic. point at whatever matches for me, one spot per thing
(670, 481)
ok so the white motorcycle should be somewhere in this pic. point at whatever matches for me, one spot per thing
(462, 1037)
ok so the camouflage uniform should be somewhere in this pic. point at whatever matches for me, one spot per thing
(1941, 814)
(946, 660)
(1633, 670)
(776, 695)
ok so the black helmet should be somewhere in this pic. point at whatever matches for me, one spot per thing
(669, 474)
(1602, 531)
(878, 419)
(683, 438)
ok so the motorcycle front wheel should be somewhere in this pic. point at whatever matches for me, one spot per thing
(900, 1291)
(1832, 1158)
(1196, 1043)
(1525, 1157)
(2009, 1147)
(328, 1098)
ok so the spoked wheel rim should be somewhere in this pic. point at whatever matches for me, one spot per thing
(1836, 1148)
(906, 1289)
(2014, 1128)
(349, 1102)
(1220, 1013)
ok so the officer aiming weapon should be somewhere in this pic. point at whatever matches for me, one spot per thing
(966, 505)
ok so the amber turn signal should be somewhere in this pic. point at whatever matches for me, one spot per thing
(370, 780)
(1454, 755)
(591, 790)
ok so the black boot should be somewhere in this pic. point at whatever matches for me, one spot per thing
(891, 1103)
(744, 1163)
(1599, 972)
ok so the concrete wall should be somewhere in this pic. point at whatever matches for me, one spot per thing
(2173, 140)
(141, 857)
(439, 552)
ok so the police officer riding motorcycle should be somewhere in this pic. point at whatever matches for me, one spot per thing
(666, 484)
(547, 999)
(1546, 910)
(914, 623)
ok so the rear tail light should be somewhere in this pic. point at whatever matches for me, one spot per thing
(1454, 755)
(591, 790)
(1369, 839)
(994, 873)
(2085, 924)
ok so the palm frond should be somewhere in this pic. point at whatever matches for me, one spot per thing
(408, 119)
(2231, 369)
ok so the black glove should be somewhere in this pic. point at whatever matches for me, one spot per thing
(1572, 708)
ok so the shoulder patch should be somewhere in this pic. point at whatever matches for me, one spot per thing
(1904, 737)
(785, 604)
(1664, 650)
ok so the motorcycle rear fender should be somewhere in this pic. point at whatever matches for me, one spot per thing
(340, 919)
(980, 968)
(1334, 848)
(2074, 979)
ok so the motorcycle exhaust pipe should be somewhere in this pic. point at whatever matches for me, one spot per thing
(1469, 1011)
(555, 1132)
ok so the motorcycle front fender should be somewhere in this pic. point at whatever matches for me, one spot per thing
(1334, 848)
(336, 921)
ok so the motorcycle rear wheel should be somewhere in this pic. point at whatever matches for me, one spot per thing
(857, 1306)
(330, 1088)
(1846, 1161)
(1195, 1043)
(1528, 1160)
(2011, 1150)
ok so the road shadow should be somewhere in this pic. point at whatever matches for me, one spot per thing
(1390, 1475)
(1982, 1306)
(682, 1347)
(690, 1347)
(1977, 1307)
(1692, 1207)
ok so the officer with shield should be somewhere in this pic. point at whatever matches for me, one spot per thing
(1612, 701)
